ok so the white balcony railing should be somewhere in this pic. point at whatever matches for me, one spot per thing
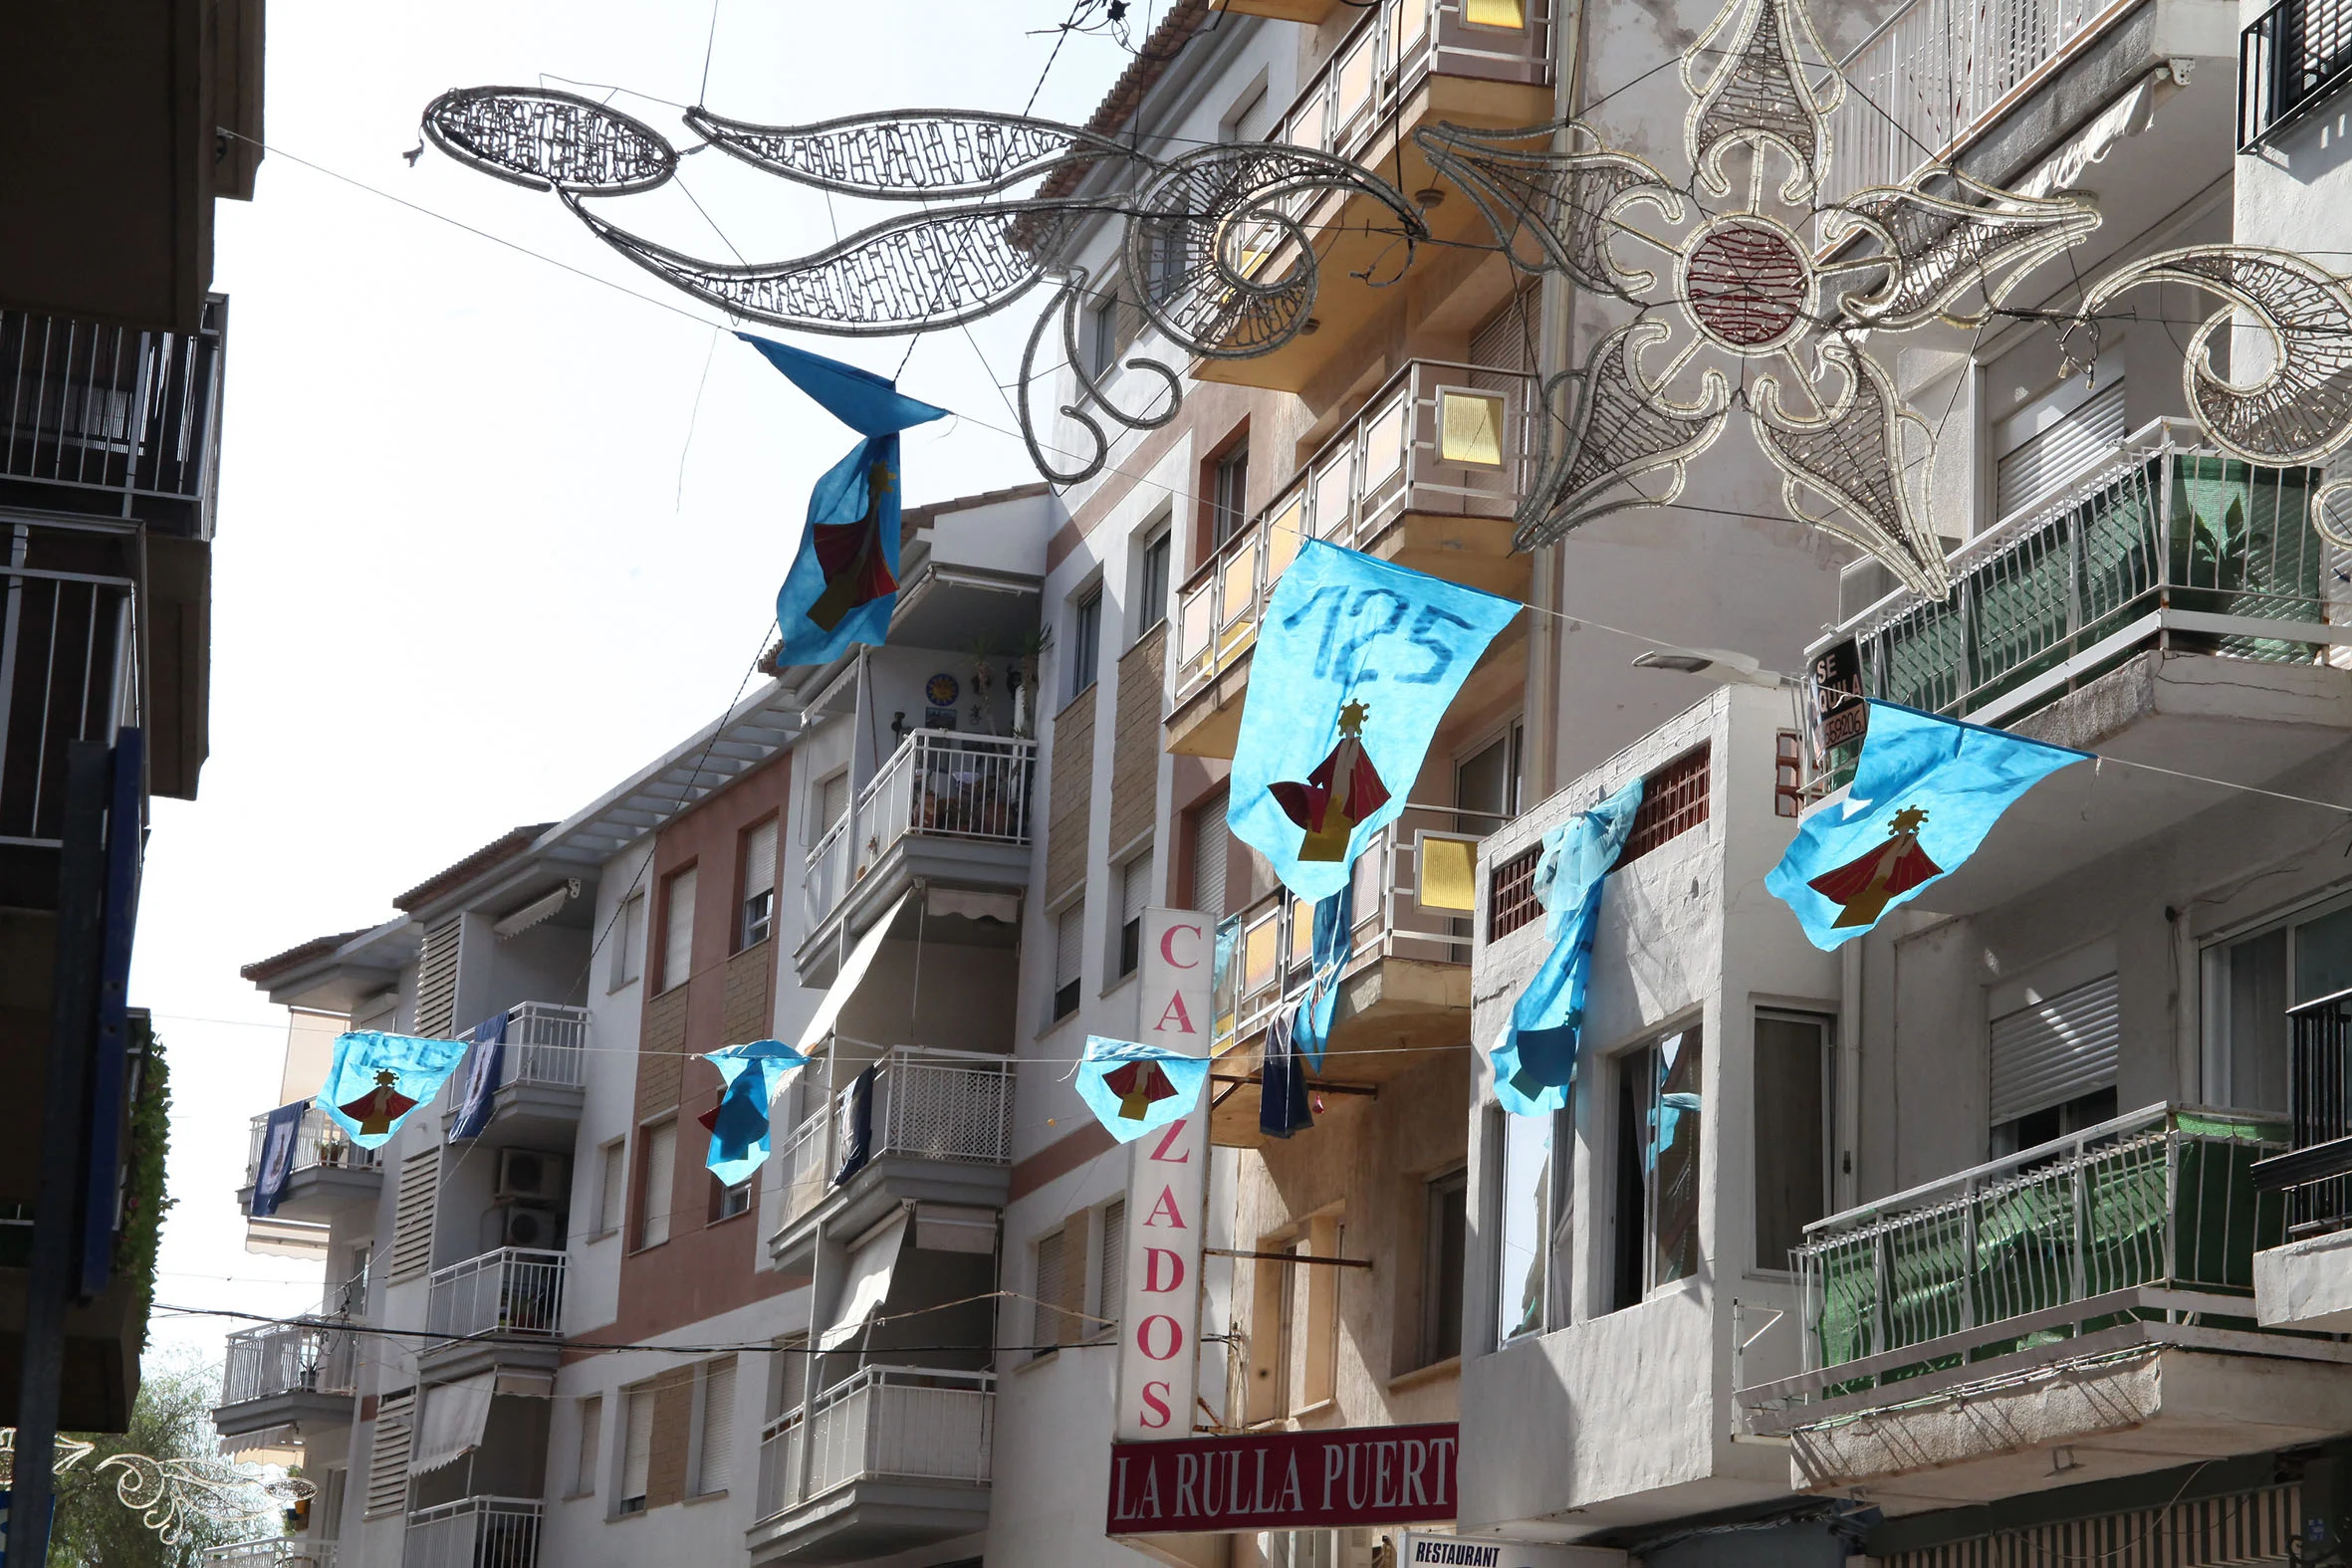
(1273, 947)
(547, 1044)
(955, 1106)
(939, 784)
(1395, 47)
(474, 1532)
(1934, 72)
(320, 1143)
(286, 1358)
(277, 1552)
(913, 1422)
(514, 1291)
(1448, 439)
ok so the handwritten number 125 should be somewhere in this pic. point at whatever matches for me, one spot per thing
(1338, 657)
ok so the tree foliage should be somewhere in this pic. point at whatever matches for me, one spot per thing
(172, 1419)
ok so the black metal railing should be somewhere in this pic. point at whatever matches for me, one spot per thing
(2289, 60)
(2317, 1174)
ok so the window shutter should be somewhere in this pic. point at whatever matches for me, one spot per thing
(718, 1429)
(833, 805)
(1208, 838)
(1114, 1263)
(1503, 342)
(2055, 1050)
(661, 1170)
(1070, 940)
(387, 1454)
(1046, 1330)
(591, 1445)
(2061, 452)
(436, 979)
(1134, 888)
(759, 859)
(638, 1459)
(677, 931)
(614, 1193)
(412, 1213)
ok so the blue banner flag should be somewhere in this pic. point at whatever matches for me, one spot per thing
(278, 1136)
(1535, 1059)
(1355, 663)
(1132, 1088)
(739, 1123)
(376, 1079)
(843, 581)
(1925, 793)
(482, 1078)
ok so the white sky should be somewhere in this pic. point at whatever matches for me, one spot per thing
(469, 570)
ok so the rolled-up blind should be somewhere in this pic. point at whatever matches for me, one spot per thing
(759, 859)
(2055, 1050)
(2064, 450)
(1209, 840)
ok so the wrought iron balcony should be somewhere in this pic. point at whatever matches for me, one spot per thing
(916, 1438)
(330, 1174)
(286, 1358)
(515, 1290)
(109, 421)
(2290, 60)
(940, 787)
(68, 672)
(319, 1142)
(2149, 1217)
(2316, 1175)
(2158, 543)
(277, 1552)
(474, 1532)
(952, 1108)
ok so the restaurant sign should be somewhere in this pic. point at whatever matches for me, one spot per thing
(1285, 1480)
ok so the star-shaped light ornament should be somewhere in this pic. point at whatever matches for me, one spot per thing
(1742, 288)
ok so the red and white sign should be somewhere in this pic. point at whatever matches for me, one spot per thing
(1167, 1189)
(1285, 1481)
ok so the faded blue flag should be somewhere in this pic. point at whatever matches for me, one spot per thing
(739, 1123)
(376, 1079)
(843, 581)
(279, 1136)
(1536, 1058)
(482, 1078)
(1925, 793)
(1355, 663)
(1132, 1088)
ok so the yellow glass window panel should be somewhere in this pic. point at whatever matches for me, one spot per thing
(1241, 584)
(1301, 931)
(1282, 537)
(1449, 874)
(1332, 515)
(1354, 83)
(1261, 951)
(1495, 13)
(1470, 429)
(1384, 446)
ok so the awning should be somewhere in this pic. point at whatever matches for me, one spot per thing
(2128, 115)
(1001, 907)
(283, 1438)
(954, 1227)
(854, 968)
(455, 1415)
(867, 1284)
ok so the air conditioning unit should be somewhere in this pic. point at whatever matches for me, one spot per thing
(536, 1225)
(528, 1176)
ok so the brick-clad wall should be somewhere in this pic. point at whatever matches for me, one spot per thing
(662, 1066)
(673, 1416)
(1135, 743)
(1073, 783)
(748, 976)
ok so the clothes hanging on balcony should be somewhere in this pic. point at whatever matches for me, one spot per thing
(1133, 1088)
(1535, 1059)
(1357, 661)
(376, 1079)
(1335, 929)
(1283, 1106)
(278, 1137)
(1925, 793)
(482, 1078)
(843, 581)
(750, 1076)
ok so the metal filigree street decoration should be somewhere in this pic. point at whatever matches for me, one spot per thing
(547, 140)
(1740, 290)
(171, 1496)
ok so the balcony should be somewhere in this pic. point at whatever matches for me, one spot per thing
(946, 808)
(70, 675)
(2091, 1297)
(1405, 64)
(2307, 1283)
(111, 422)
(1426, 476)
(2290, 60)
(474, 1532)
(330, 1174)
(277, 1551)
(1406, 983)
(504, 1309)
(296, 1376)
(941, 1130)
(889, 1460)
(542, 1080)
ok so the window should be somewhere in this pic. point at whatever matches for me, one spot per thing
(1295, 1321)
(2054, 438)
(656, 1182)
(413, 1214)
(1151, 591)
(1445, 1248)
(788, 1377)
(1229, 495)
(1657, 1214)
(1210, 837)
(759, 886)
(637, 1457)
(1526, 1225)
(612, 1185)
(1486, 783)
(2250, 982)
(1085, 640)
(1247, 120)
(1511, 893)
(1069, 938)
(1792, 1138)
(1110, 1297)
(714, 1470)
(1134, 898)
(677, 930)
(831, 805)
(591, 1445)
(732, 1201)
(1102, 335)
(387, 1452)
(1053, 1284)
(628, 943)
(2054, 1064)
(1673, 802)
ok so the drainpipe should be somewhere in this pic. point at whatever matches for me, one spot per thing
(1846, 1183)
